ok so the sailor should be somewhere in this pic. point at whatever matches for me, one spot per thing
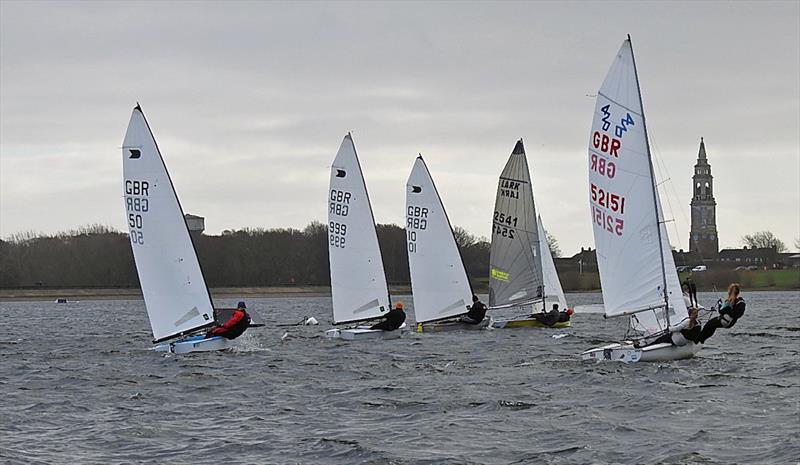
(476, 312)
(235, 326)
(392, 320)
(565, 316)
(730, 312)
(691, 288)
(548, 318)
(683, 333)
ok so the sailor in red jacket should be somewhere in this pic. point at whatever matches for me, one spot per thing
(235, 326)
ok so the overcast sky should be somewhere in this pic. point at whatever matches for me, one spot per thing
(249, 102)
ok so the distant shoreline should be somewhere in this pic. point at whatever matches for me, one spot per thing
(34, 294)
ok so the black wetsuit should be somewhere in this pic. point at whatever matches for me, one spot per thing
(563, 317)
(392, 320)
(691, 288)
(691, 335)
(475, 314)
(728, 316)
(550, 318)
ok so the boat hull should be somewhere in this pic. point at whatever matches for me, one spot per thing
(363, 333)
(528, 323)
(443, 326)
(194, 344)
(627, 353)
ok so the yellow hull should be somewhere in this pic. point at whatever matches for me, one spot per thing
(529, 323)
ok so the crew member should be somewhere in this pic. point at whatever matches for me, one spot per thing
(732, 309)
(548, 318)
(392, 320)
(476, 312)
(235, 326)
(683, 333)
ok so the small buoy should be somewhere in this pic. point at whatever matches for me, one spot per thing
(285, 335)
(311, 321)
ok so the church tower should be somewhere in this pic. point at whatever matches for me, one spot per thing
(703, 236)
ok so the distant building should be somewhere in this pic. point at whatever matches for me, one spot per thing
(703, 237)
(196, 224)
(733, 258)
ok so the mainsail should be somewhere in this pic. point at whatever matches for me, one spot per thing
(439, 282)
(173, 286)
(633, 252)
(358, 281)
(515, 262)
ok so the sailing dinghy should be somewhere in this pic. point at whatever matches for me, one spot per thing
(175, 293)
(439, 283)
(637, 271)
(358, 279)
(522, 274)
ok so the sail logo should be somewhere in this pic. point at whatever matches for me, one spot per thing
(509, 188)
(341, 173)
(135, 153)
(416, 189)
(499, 275)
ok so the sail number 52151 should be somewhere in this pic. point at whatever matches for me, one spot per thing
(607, 221)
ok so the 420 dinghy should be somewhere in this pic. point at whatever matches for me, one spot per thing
(637, 271)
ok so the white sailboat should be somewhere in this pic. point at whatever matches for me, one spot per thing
(358, 279)
(439, 283)
(637, 272)
(522, 274)
(175, 292)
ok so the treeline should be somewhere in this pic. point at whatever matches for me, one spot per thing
(99, 256)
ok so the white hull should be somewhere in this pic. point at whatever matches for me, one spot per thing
(627, 353)
(194, 344)
(363, 333)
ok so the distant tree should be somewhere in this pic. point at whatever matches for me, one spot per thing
(797, 244)
(552, 243)
(764, 240)
(463, 238)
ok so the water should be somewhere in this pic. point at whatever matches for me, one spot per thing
(79, 386)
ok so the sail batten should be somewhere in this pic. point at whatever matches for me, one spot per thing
(633, 251)
(358, 279)
(439, 281)
(172, 282)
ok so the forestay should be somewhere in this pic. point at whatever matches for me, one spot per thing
(439, 281)
(358, 282)
(174, 290)
(515, 262)
(552, 285)
(626, 221)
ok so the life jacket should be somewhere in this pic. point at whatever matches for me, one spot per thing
(237, 329)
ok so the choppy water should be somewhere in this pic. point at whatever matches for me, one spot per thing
(79, 386)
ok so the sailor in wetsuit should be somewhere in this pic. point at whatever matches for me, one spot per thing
(548, 318)
(235, 326)
(729, 314)
(476, 312)
(392, 320)
(681, 334)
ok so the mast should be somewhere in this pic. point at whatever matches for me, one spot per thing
(372, 215)
(653, 185)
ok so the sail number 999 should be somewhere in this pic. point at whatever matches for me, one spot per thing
(336, 233)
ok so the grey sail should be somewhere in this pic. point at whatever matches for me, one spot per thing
(515, 273)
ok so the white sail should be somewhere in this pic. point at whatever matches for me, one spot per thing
(358, 281)
(439, 281)
(622, 199)
(174, 290)
(515, 261)
(553, 291)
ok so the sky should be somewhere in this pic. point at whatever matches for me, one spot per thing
(249, 102)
